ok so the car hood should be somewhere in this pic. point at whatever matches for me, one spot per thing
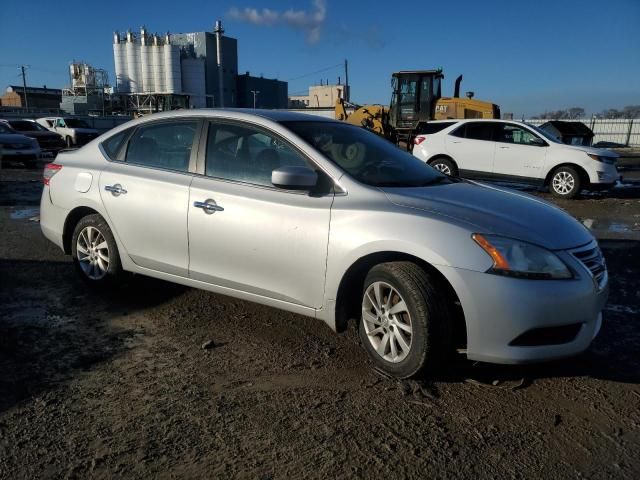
(14, 138)
(41, 134)
(594, 151)
(494, 210)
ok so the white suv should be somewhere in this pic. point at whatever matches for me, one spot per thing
(515, 152)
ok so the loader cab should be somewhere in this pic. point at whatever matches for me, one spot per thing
(414, 97)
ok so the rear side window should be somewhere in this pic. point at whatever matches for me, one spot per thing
(475, 131)
(431, 128)
(112, 145)
(163, 145)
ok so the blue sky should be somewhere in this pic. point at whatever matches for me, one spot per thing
(525, 56)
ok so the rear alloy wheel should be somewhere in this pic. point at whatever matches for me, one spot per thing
(566, 182)
(95, 252)
(404, 325)
(69, 142)
(445, 166)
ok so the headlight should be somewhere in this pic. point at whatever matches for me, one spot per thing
(515, 258)
(602, 158)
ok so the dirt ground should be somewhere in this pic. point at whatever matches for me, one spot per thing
(119, 385)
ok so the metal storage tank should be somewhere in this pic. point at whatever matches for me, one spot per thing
(172, 72)
(157, 62)
(133, 63)
(146, 69)
(122, 79)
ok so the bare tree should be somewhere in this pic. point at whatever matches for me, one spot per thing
(576, 112)
(631, 111)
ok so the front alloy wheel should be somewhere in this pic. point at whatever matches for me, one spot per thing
(565, 182)
(405, 326)
(387, 322)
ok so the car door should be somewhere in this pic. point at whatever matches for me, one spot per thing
(255, 237)
(472, 147)
(146, 192)
(520, 154)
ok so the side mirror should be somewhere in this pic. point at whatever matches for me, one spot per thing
(537, 142)
(292, 177)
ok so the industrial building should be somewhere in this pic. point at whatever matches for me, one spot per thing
(188, 70)
(320, 96)
(39, 99)
(87, 91)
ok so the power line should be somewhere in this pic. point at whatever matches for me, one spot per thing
(315, 73)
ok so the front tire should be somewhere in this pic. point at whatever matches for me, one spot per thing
(566, 182)
(404, 324)
(445, 165)
(69, 142)
(95, 252)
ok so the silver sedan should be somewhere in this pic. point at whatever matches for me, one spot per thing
(328, 220)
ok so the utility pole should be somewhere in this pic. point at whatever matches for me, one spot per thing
(218, 30)
(346, 80)
(255, 94)
(24, 87)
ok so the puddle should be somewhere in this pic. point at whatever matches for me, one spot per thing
(32, 214)
(605, 225)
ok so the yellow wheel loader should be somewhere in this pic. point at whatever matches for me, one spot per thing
(416, 99)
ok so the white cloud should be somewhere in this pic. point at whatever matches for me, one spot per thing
(310, 22)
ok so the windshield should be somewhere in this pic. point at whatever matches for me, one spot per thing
(365, 156)
(25, 126)
(75, 123)
(546, 135)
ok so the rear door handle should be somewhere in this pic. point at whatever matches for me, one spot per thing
(115, 190)
(209, 206)
(504, 148)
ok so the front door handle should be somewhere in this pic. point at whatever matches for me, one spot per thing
(115, 190)
(504, 148)
(209, 206)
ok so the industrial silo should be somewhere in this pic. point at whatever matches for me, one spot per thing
(157, 55)
(122, 79)
(133, 63)
(172, 72)
(146, 59)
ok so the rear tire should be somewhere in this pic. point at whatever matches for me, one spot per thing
(69, 142)
(565, 182)
(95, 252)
(404, 326)
(445, 165)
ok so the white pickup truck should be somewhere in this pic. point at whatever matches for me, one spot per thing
(76, 132)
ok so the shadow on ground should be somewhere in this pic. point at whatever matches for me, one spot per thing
(53, 327)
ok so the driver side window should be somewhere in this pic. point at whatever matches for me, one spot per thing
(246, 154)
(60, 123)
(517, 135)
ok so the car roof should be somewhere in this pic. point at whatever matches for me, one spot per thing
(241, 113)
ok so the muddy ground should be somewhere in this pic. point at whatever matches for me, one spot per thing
(118, 385)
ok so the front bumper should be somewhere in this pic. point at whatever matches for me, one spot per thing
(604, 176)
(500, 310)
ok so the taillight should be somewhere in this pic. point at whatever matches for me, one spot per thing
(419, 140)
(50, 170)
